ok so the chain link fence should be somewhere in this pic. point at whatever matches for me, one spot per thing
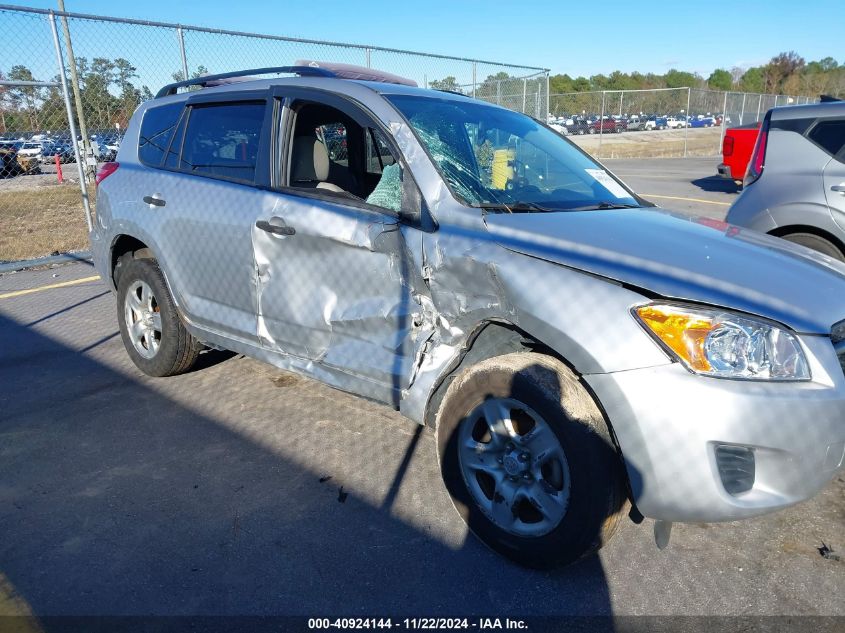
(111, 65)
(668, 122)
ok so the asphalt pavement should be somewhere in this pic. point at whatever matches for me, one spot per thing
(241, 489)
(689, 185)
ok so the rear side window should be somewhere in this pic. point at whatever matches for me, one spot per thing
(830, 136)
(156, 131)
(222, 140)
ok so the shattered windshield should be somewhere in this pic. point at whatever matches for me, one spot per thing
(499, 159)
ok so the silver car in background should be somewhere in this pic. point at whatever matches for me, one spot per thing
(580, 354)
(795, 186)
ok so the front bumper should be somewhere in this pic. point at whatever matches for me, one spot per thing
(669, 423)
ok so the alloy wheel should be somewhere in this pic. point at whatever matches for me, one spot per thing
(514, 467)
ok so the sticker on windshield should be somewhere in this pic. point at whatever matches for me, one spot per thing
(606, 181)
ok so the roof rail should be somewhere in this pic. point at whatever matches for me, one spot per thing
(209, 80)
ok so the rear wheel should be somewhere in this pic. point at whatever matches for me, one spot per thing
(528, 460)
(817, 243)
(152, 332)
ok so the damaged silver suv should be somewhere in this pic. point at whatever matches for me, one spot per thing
(581, 355)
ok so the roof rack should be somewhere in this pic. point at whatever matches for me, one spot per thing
(212, 80)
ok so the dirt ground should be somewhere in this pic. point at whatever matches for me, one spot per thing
(38, 217)
(653, 144)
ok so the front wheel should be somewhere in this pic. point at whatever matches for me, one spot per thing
(528, 460)
(152, 332)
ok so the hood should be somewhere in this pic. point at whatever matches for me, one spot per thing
(683, 258)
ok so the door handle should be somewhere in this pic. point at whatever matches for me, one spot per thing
(839, 188)
(276, 226)
(154, 201)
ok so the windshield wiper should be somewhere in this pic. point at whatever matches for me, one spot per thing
(516, 207)
(604, 204)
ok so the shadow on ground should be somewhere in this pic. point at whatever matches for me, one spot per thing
(717, 184)
(117, 500)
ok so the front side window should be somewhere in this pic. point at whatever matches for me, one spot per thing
(332, 153)
(156, 131)
(222, 140)
(496, 158)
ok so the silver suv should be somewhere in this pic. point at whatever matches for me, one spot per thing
(795, 185)
(580, 354)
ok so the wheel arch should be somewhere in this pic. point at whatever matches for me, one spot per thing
(790, 229)
(495, 337)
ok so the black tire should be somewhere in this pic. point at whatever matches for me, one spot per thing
(817, 243)
(597, 497)
(177, 349)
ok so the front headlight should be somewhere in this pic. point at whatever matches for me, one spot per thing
(719, 343)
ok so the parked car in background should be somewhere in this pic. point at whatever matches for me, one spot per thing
(578, 125)
(56, 148)
(795, 183)
(31, 148)
(606, 125)
(737, 147)
(559, 127)
(655, 122)
(636, 123)
(621, 124)
(707, 121)
(693, 370)
(9, 165)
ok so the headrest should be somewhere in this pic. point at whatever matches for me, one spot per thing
(310, 160)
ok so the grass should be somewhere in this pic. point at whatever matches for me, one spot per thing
(41, 221)
(663, 144)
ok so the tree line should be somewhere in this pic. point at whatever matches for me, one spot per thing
(785, 73)
(109, 92)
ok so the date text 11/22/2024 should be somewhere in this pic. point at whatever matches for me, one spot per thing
(417, 623)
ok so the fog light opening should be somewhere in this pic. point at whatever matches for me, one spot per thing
(736, 468)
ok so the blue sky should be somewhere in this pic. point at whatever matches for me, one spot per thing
(580, 38)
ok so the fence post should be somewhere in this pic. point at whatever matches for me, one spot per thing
(601, 122)
(83, 188)
(724, 123)
(621, 97)
(759, 103)
(77, 96)
(686, 122)
(474, 80)
(742, 112)
(499, 92)
(181, 38)
(369, 61)
(548, 98)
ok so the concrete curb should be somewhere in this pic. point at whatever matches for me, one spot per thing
(82, 256)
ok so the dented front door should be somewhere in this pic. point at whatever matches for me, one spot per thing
(333, 288)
